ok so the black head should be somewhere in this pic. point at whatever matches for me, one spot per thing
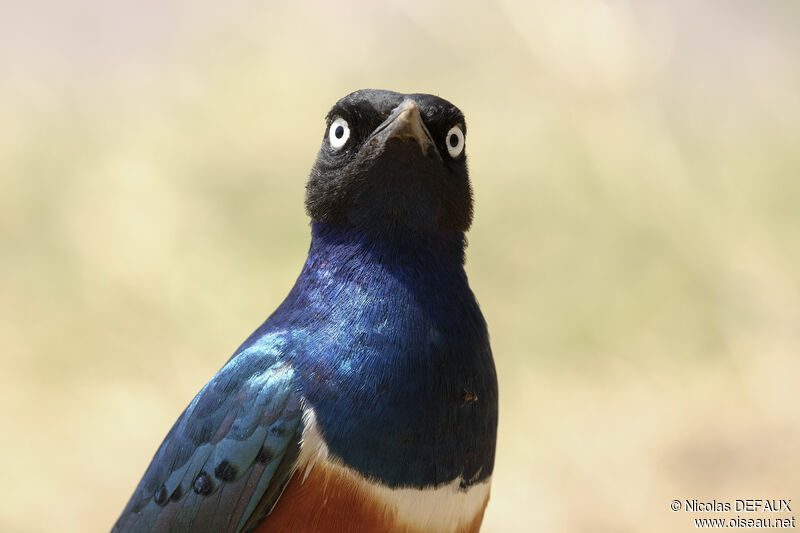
(392, 163)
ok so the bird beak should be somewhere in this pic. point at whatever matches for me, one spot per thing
(403, 123)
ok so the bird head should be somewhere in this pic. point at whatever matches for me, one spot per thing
(392, 164)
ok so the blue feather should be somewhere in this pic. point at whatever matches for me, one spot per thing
(384, 340)
(389, 339)
(251, 403)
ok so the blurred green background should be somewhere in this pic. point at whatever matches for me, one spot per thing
(636, 245)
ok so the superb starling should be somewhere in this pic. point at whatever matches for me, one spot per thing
(368, 400)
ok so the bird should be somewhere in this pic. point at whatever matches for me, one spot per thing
(368, 400)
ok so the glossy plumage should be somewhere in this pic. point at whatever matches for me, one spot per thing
(379, 356)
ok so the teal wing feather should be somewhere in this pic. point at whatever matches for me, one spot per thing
(226, 460)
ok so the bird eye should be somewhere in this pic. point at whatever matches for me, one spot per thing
(455, 141)
(339, 133)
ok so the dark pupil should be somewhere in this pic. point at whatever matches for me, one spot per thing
(339, 131)
(453, 140)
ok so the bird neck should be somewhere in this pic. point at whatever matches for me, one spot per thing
(395, 249)
(347, 268)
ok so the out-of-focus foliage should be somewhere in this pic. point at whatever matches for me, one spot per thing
(636, 246)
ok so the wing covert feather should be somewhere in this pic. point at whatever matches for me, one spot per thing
(224, 463)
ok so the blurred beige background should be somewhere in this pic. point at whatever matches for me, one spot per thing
(636, 246)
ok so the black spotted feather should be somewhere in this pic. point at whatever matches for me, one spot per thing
(225, 461)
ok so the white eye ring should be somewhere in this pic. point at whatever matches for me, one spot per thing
(455, 141)
(338, 133)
